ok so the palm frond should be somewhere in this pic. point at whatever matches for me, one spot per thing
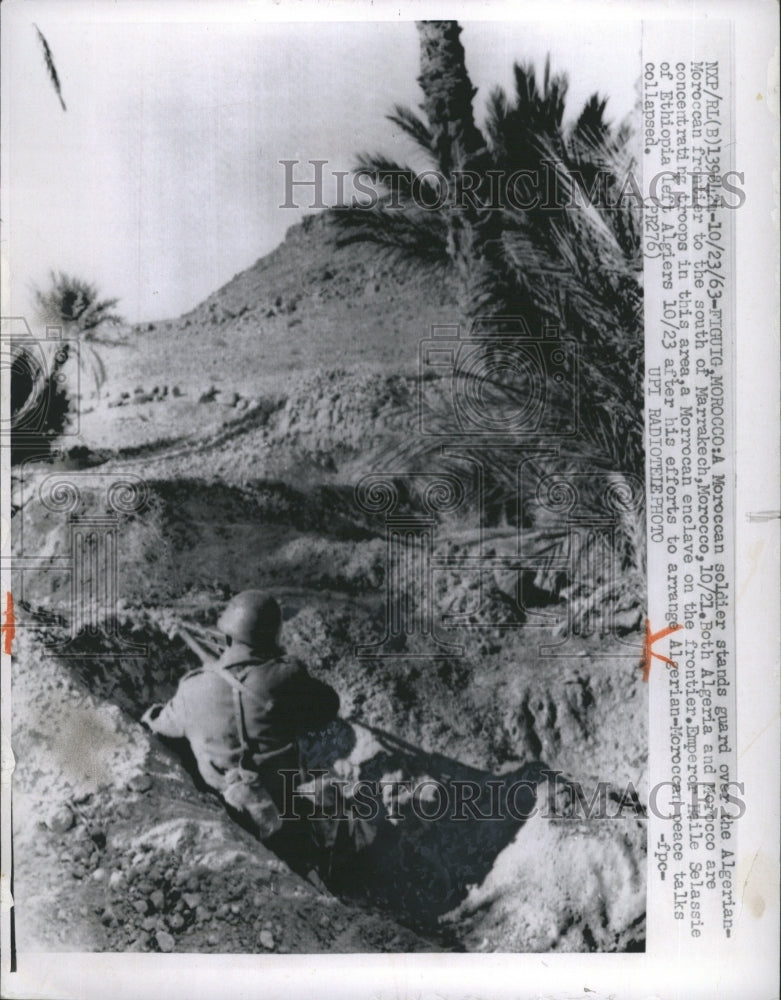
(542, 110)
(413, 126)
(591, 127)
(413, 237)
(398, 180)
(497, 112)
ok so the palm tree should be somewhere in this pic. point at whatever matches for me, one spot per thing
(576, 267)
(76, 306)
(552, 263)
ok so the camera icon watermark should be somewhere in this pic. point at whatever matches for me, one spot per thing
(43, 383)
(498, 381)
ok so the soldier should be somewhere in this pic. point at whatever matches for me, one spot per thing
(243, 713)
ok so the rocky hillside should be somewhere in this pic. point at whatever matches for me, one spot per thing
(242, 429)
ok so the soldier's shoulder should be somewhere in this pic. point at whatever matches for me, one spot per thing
(278, 668)
(193, 675)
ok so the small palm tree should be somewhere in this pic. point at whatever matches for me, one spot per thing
(77, 307)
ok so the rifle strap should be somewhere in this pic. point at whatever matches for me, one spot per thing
(238, 709)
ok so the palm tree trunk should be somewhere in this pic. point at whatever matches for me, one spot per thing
(447, 95)
(459, 145)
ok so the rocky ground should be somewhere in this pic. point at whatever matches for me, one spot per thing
(248, 423)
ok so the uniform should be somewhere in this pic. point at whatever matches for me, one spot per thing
(242, 716)
(247, 711)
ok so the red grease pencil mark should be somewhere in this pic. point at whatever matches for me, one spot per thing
(648, 652)
(8, 628)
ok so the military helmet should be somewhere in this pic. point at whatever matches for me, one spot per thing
(252, 617)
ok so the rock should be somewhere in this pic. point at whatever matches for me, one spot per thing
(213, 940)
(99, 874)
(149, 924)
(209, 396)
(235, 908)
(140, 783)
(165, 941)
(141, 906)
(267, 940)
(61, 820)
(175, 921)
(191, 899)
(157, 899)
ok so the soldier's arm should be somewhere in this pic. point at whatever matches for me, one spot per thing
(168, 719)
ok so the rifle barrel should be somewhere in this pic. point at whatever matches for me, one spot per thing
(212, 636)
(204, 655)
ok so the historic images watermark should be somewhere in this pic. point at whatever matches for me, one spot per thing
(311, 184)
(549, 794)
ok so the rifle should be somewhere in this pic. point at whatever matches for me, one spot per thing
(204, 642)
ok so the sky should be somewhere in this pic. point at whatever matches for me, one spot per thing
(162, 179)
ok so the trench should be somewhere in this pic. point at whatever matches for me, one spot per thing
(424, 853)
